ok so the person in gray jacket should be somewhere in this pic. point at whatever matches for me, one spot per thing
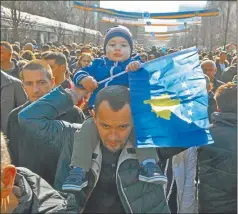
(124, 193)
(23, 191)
(12, 96)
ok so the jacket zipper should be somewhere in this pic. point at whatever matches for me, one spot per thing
(127, 202)
(90, 191)
(111, 73)
(118, 177)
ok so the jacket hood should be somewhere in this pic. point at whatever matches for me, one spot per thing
(37, 196)
(228, 119)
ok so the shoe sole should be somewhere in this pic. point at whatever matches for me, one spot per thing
(74, 187)
(157, 179)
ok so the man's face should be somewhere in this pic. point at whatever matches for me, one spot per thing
(6, 54)
(37, 84)
(57, 70)
(223, 57)
(209, 70)
(114, 127)
(118, 49)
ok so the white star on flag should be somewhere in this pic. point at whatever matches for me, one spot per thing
(190, 113)
(190, 104)
(184, 85)
(188, 92)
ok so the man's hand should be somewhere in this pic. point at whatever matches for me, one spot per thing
(133, 66)
(89, 83)
(78, 92)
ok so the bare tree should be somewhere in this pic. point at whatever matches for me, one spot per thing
(18, 22)
(227, 22)
(215, 31)
(85, 17)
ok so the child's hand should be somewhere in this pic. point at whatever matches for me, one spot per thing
(89, 83)
(133, 66)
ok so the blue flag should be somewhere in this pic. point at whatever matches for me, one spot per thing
(169, 102)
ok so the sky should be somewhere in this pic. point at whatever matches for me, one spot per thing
(150, 6)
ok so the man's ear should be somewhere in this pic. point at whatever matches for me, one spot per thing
(8, 178)
(63, 68)
(52, 82)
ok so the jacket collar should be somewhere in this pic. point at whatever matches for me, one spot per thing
(127, 153)
(124, 63)
(5, 79)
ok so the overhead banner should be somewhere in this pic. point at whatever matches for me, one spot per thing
(169, 32)
(140, 22)
(137, 15)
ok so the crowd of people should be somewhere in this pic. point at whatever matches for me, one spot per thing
(68, 142)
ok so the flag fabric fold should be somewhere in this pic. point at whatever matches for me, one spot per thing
(169, 102)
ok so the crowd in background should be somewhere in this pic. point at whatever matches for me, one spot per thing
(216, 165)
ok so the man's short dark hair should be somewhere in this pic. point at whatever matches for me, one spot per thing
(66, 53)
(28, 55)
(59, 58)
(226, 98)
(45, 48)
(117, 96)
(37, 64)
(16, 48)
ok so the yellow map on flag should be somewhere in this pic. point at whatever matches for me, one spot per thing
(163, 106)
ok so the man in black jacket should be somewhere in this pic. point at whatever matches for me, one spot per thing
(24, 148)
(229, 73)
(218, 161)
(23, 191)
(221, 64)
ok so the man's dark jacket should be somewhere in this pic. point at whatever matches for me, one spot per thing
(229, 73)
(37, 196)
(32, 152)
(218, 167)
(212, 106)
(216, 84)
(218, 73)
(15, 72)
